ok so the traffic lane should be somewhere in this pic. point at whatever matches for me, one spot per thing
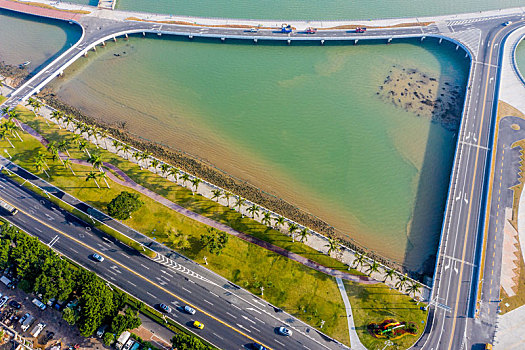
(127, 280)
(196, 294)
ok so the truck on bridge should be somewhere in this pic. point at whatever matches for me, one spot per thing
(8, 207)
(286, 28)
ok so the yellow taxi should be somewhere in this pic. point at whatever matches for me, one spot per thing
(198, 325)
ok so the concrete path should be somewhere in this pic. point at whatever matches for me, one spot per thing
(128, 182)
(355, 342)
(511, 330)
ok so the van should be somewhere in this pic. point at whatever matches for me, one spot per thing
(28, 321)
(39, 304)
(8, 282)
(101, 330)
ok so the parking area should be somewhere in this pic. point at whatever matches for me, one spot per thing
(63, 335)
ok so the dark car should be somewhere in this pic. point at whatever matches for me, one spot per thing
(257, 346)
(48, 337)
(15, 304)
(164, 308)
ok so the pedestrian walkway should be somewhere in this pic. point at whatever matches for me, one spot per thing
(128, 182)
(355, 342)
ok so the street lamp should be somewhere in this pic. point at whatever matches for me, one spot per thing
(8, 154)
(262, 290)
(206, 260)
(322, 323)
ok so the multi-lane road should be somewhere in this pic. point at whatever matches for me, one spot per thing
(231, 322)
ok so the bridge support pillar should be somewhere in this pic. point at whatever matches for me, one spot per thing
(126, 35)
(103, 43)
(85, 53)
(114, 39)
(389, 40)
(322, 42)
(457, 47)
(288, 41)
(423, 38)
(143, 33)
(190, 37)
(466, 54)
(255, 40)
(61, 73)
(356, 41)
(95, 48)
(440, 40)
(223, 39)
(159, 33)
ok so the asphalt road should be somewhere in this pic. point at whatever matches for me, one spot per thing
(230, 322)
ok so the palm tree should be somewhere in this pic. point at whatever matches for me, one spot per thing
(96, 161)
(173, 172)
(63, 146)
(82, 146)
(373, 267)
(359, 260)
(67, 164)
(185, 177)
(36, 104)
(292, 227)
(164, 168)
(57, 115)
(304, 234)
(116, 145)
(102, 175)
(227, 195)
(195, 182)
(12, 127)
(254, 210)
(216, 194)
(267, 218)
(402, 282)
(92, 176)
(389, 274)
(3, 135)
(125, 148)
(40, 163)
(333, 245)
(142, 157)
(77, 138)
(137, 156)
(103, 133)
(239, 202)
(154, 163)
(67, 120)
(279, 221)
(413, 288)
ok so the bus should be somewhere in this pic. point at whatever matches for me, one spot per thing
(12, 210)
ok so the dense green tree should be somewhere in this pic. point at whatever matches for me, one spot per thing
(214, 240)
(55, 280)
(124, 204)
(26, 256)
(183, 341)
(109, 338)
(70, 316)
(124, 322)
(96, 304)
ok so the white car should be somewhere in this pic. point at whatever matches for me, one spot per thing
(4, 300)
(507, 23)
(285, 331)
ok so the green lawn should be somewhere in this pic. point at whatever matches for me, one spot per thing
(305, 293)
(375, 303)
(2, 99)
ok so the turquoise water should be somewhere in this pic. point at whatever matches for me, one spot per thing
(301, 122)
(27, 38)
(297, 9)
(520, 58)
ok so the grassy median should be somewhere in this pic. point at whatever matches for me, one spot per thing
(305, 293)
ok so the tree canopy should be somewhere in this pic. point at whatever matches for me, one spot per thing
(214, 240)
(123, 205)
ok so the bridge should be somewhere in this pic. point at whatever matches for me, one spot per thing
(456, 319)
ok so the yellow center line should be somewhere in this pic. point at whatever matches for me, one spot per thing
(138, 275)
(471, 194)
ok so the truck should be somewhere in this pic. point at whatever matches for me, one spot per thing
(124, 337)
(8, 282)
(286, 28)
(8, 207)
(35, 332)
(311, 30)
(360, 30)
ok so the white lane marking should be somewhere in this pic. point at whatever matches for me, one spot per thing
(230, 314)
(76, 251)
(189, 291)
(252, 309)
(206, 301)
(278, 342)
(22, 220)
(258, 302)
(113, 272)
(246, 329)
(151, 294)
(144, 266)
(235, 306)
(39, 230)
(252, 327)
(218, 336)
(260, 320)
(133, 284)
(214, 294)
(247, 319)
(126, 255)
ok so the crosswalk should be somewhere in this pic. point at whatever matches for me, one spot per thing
(470, 20)
(161, 259)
